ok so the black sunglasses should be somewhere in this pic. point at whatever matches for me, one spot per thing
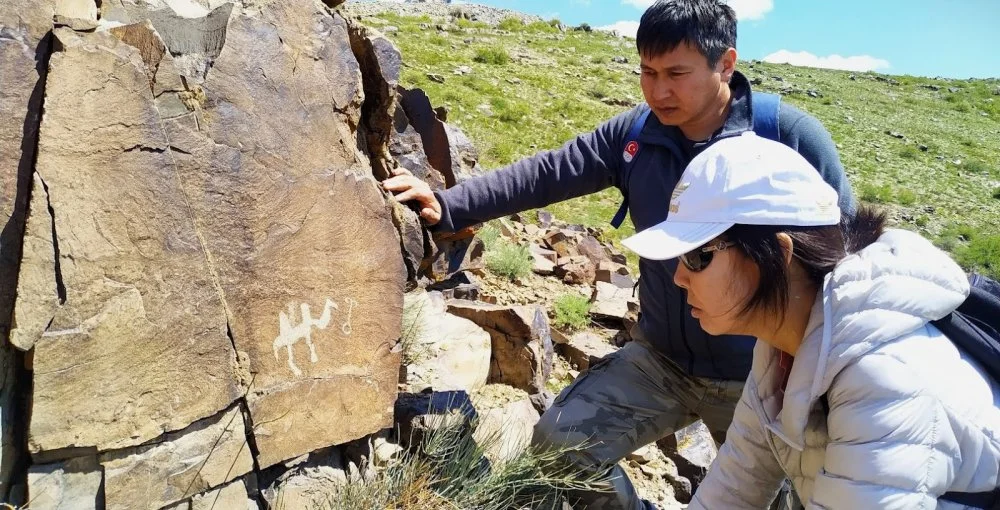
(698, 259)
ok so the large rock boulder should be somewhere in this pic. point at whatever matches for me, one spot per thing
(522, 342)
(442, 351)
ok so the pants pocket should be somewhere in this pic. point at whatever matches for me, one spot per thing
(585, 380)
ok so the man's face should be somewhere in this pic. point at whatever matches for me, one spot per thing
(679, 85)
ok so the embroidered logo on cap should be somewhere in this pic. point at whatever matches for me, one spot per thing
(631, 149)
(681, 188)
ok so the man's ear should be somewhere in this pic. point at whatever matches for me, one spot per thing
(727, 64)
(787, 245)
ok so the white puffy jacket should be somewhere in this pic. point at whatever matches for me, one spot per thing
(910, 417)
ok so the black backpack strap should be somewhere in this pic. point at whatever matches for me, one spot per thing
(629, 153)
(984, 500)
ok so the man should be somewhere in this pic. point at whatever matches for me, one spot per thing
(673, 372)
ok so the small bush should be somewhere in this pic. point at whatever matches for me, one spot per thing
(449, 467)
(511, 24)
(996, 192)
(875, 194)
(981, 254)
(494, 55)
(975, 166)
(909, 152)
(906, 197)
(509, 260)
(571, 312)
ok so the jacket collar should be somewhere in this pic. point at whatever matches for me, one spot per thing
(890, 288)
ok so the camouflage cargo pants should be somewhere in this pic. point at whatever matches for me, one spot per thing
(628, 399)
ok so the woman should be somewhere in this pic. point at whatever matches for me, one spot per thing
(853, 395)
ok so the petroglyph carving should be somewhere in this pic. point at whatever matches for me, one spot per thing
(289, 334)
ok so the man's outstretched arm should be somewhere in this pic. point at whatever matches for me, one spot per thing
(584, 165)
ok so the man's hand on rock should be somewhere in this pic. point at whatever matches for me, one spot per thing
(406, 187)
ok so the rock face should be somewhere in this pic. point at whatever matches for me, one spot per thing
(212, 279)
(104, 160)
(24, 50)
(208, 454)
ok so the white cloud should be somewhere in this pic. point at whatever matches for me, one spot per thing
(623, 28)
(804, 58)
(745, 9)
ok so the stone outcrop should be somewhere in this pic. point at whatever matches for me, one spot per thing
(205, 277)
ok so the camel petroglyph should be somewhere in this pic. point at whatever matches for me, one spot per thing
(290, 334)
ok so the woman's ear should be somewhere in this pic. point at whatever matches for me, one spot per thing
(787, 246)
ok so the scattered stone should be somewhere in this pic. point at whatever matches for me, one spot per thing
(436, 78)
(390, 29)
(560, 242)
(309, 485)
(814, 93)
(514, 80)
(923, 148)
(68, 485)
(637, 71)
(575, 270)
(933, 87)
(585, 348)
(778, 78)
(442, 352)
(852, 77)
(504, 430)
(521, 340)
(545, 218)
(953, 90)
(610, 301)
(542, 263)
(619, 59)
(419, 413)
(461, 285)
(462, 70)
(996, 91)
(895, 134)
(756, 80)
(693, 450)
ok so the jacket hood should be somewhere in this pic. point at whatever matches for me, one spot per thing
(893, 287)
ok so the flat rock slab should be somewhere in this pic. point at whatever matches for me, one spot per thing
(142, 331)
(300, 235)
(232, 496)
(73, 484)
(206, 455)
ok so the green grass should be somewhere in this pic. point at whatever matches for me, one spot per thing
(449, 468)
(981, 254)
(564, 75)
(571, 312)
(492, 55)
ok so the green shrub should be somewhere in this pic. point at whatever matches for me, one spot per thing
(448, 467)
(909, 152)
(571, 312)
(509, 260)
(996, 192)
(875, 194)
(975, 166)
(906, 197)
(981, 254)
(511, 24)
(494, 55)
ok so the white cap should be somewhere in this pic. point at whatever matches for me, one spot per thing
(745, 180)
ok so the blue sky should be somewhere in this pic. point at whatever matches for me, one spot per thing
(920, 37)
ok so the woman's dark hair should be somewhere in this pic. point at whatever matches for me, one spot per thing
(818, 250)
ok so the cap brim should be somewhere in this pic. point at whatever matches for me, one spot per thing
(670, 239)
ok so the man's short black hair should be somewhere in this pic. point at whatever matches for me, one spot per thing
(708, 25)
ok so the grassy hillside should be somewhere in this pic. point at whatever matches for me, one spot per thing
(926, 149)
